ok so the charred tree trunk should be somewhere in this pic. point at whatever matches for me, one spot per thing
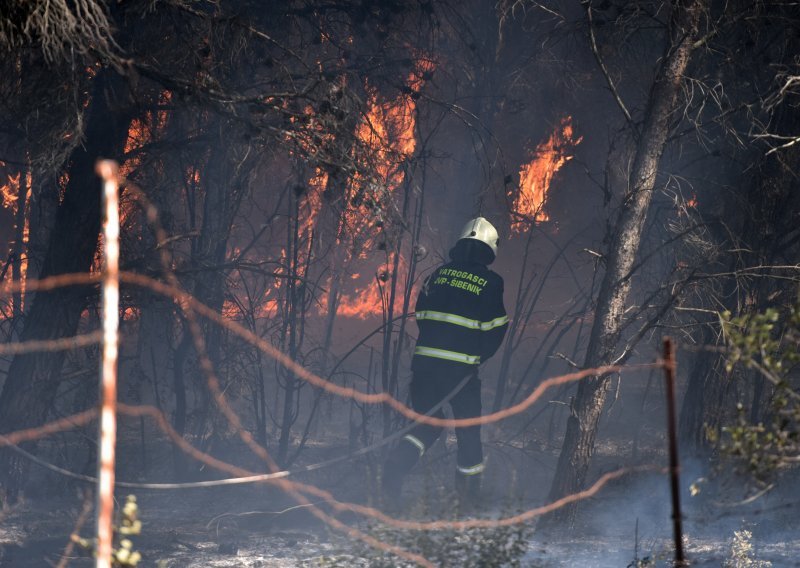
(19, 243)
(579, 440)
(224, 181)
(179, 389)
(30, 390)
(293, 322)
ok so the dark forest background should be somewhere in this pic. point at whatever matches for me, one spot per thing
(312, 161)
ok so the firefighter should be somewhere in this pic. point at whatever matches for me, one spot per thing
(462, 322)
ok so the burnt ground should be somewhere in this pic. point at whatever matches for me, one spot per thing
(252, 526)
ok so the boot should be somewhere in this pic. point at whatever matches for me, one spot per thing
(395, 470)
(391, 489)
(468, 491)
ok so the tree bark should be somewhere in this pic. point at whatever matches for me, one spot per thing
(579, 440)
(19, 243)
(224, 184)
(30, 389)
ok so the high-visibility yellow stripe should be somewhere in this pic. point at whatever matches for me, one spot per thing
(447, 355)
(496, 322)
(413, 440)
(448, 318)
(461, 320)
(473, 470)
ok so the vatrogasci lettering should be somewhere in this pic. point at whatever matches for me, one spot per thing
(460, 279)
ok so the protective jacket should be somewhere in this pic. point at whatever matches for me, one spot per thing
(460, 315)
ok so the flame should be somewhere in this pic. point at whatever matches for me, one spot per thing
(386, 137)
(311, 204)
(388, 129)
(131, 313)
(692, 202)
(230, 310)
(8, 194)
(143, 130)
(388, 133)
(9, 198)
(535, 176)
(368, 292)
(63, 180)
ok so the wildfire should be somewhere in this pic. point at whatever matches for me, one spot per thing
(388, 131)
(367, 292)
(386, 139)
(535, 176)
(18, 186)
(10, 192)
(312, 201)
(142, 130)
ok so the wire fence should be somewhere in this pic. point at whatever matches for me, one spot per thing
(300, 492)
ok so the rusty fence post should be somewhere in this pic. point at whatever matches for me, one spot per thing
(106, 458)
(674, 464)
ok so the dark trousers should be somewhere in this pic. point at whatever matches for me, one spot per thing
(431, 383)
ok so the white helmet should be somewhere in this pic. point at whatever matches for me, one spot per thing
(481, 230)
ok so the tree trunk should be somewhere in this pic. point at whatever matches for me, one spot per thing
(579, 440)
(19, 244)
(179, 465)
(293, 314)
(224, 180)
(30, 390)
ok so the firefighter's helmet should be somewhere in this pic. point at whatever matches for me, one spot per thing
(481, 230)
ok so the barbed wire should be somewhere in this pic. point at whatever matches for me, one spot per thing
(246, 476)
(187, 305)
(63, 344)
(381, 397)
(190, 307)
(248, 479)
(60, 425)
(346, 392)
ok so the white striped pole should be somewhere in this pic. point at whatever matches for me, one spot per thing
(108, 170)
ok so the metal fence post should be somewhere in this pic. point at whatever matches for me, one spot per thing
(674, 464)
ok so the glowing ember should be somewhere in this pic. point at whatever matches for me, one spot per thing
(9, 193)
(312, 201)
(535, 176)
(131, 313)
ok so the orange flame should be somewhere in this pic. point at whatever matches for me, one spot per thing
(10, 192)
(388, 129)
(9, 197)
(143, 130)
(535, 176)
(387, 137)
(366, 294)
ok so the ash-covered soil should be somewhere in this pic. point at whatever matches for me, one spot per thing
(199, 529)
(259, 526)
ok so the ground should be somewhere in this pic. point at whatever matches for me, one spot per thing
(252, 526)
